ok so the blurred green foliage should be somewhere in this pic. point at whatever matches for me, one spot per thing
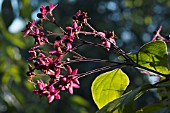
(132, 20)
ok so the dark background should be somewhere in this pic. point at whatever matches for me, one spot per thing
(133, 21)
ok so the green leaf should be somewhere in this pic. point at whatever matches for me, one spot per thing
(26, 9)
(152, 55)
(164, 91)
(10, 38)
(118, 105)
(165, 83)
(128, 108)
(151, 108)
(79, 101)
(7, 12)
(28, 85)
(109, 86)
(15, 73)
(5, 78)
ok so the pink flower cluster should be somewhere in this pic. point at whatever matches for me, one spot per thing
(108, 39)
(50, 63)
(68, 82)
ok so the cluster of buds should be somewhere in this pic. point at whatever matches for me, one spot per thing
(50, 63)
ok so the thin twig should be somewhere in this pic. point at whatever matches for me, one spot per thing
(91, 60)
(98, 70)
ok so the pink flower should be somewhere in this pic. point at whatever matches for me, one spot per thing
(50, 8)
(78, 13)
(71, 86)
(70, 81)
(38, 36)
(42, 14)
(75, 29)
(32, 53)
(52, 94)
(48, 91)
(58, 55)
(45, 10)
(29, 27)
(73, 32)
(109, 42)
(50, 72)
(70, 71)
(69, 40)
(101, 34)
(41, 87)
(53, 52)
(30, 68)
(108, 39)
(81, 17)
(69, 46)
(57, 73)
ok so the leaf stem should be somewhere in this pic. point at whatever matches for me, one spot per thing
(167, 76)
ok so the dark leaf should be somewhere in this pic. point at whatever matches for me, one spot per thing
(7, 13)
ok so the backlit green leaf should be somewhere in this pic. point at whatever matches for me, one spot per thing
(109, 86)
(152, 55)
